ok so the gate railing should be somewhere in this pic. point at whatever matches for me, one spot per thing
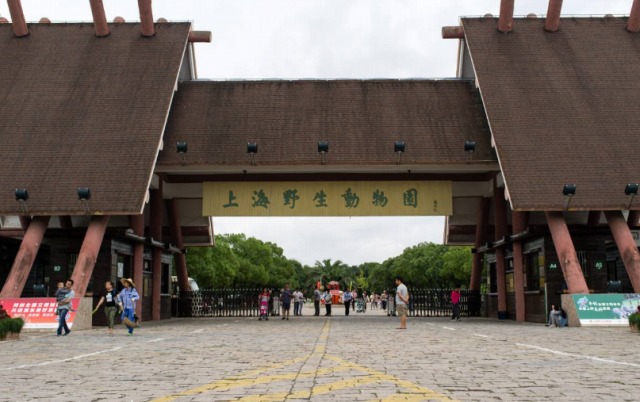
(243, 302)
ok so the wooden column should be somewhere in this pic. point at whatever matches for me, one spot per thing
(26, 256)
(626, 245)
(566, 253)
(88, 254)
(519, 224)
(481, 238)
(501, 230)
(137, 224)
(176, 231)
(155, 232)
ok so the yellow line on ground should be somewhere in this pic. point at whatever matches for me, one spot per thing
(414, 388)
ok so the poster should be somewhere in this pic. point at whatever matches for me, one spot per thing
(605, 309)
(38, 313)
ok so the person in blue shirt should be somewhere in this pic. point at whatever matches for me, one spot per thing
(128, 298)
(346, 298)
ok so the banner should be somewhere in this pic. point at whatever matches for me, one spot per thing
(38, 313)
(605, 309)
(364, 198)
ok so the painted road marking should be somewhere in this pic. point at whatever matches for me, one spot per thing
(62, 360)
(482, 336)
(197, 331)
(247, 379)
(156, 340)
(598, 359)
(449, 328)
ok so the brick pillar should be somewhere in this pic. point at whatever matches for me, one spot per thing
(88, 254)
(26, 256)
(155, 232)
(626, 245)
(501, 231)
(566, 253)
(176, 231)
(137, 224)
(519, 223)
(481, 238)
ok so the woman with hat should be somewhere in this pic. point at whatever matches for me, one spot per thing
(128, 297)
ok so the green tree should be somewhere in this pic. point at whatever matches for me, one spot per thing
(456, 268)
(213, 267)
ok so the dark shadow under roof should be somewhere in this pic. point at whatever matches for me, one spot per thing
(80, 111)
(563, 108)
(360, 120)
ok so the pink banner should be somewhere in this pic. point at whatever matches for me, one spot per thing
(38, 312)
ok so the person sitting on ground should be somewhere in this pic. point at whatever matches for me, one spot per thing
(561, 318)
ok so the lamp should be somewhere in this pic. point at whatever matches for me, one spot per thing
(181, 149)
(631, 189)
(469, 146)
(323, 148)
(84, 195)
(252, 150)
(22, 196)
(569, 190)
(398, 148)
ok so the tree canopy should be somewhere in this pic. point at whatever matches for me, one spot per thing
(240, 261)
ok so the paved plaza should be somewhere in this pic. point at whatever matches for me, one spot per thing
(362, 357)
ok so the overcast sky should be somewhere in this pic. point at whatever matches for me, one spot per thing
(293, 39)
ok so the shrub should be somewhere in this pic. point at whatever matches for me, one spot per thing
(634, 320)
(11, 326)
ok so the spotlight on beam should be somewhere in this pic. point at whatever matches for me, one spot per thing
(252, 150)
(181, 149)
(469, 146)
(84, 195)
(569, 190)
(323, 148)
(631, 190)
(22, 196)
(398, 148)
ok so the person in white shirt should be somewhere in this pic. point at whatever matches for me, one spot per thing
(402, 301)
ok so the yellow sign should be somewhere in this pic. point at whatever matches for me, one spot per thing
(380, 198)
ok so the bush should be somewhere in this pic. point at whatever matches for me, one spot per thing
(634, 320)
(11, 326)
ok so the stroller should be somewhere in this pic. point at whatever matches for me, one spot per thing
(359, 306)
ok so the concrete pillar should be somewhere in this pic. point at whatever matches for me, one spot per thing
(176, 231)
(519, 224)
(481, 238)
(137, 224)
(26, 256)
(566, 253)
(626, 245)
(501, 231)
(155, 232)
(88, 254)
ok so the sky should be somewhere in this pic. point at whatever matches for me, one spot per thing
(325, 39)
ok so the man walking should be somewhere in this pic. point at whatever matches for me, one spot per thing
(346, 298)
(455, 303)
(402, 300)
(317, 296)
(285, 297)
(63, 309)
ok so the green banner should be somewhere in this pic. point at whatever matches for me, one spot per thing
(605, 309)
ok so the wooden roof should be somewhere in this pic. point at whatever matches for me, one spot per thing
(80, 111)
(563, 108)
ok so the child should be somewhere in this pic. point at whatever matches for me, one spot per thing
(264, 304)
(61, 294)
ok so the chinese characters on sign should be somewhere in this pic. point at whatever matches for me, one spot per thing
(38, 312)
(326, 198)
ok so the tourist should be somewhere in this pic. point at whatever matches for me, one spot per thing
(127, 298)
(109, 299)
(402, 299)
(64, 306)
(455, 303)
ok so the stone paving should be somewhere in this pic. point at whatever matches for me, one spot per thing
(362, 357)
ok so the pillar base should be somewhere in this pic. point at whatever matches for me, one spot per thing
(503, 315)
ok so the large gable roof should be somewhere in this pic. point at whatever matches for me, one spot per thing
(360, 119)
(81, 111)
(563, 108)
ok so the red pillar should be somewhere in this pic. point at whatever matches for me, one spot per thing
(137, 224)
(481, 238)
(501, 231)
(626, 245)
(155, 232)
(566, 253)
(26, 256)
(519, 224)
(176, 231)
(88, 254)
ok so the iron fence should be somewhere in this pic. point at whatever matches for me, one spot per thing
(243, 302)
